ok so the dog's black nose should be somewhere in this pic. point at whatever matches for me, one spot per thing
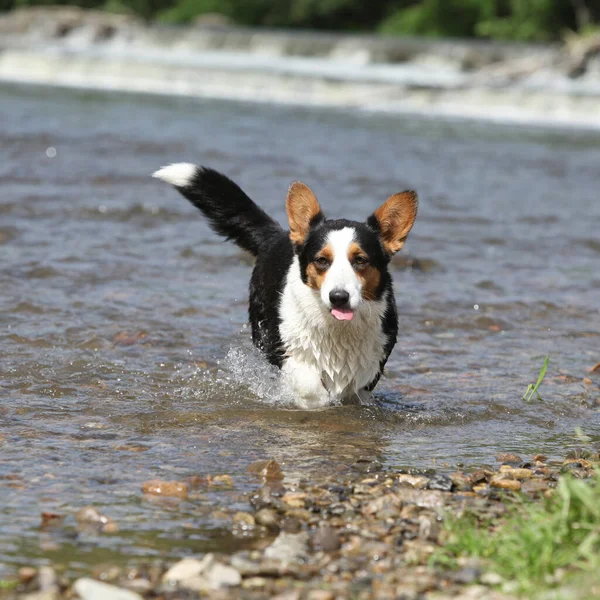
(338, 298)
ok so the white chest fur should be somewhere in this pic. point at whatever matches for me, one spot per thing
(328, 359)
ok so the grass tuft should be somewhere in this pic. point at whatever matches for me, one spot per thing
(536, 540)
(533, 388)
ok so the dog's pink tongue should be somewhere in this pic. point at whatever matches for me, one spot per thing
(342, 314)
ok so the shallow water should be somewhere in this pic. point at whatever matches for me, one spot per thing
(125, 354)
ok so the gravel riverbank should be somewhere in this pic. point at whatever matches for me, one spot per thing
(474, 79)
(370, 535)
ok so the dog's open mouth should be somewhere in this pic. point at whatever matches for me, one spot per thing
(343, 314)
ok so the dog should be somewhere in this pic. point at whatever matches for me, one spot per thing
(322, 305)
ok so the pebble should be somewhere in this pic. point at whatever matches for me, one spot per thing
(221, 576)
(26, 574)
(326, 538)
(268, 470)
(157, 487)
(47, 579)
(267, 517)
(222, 480)
(505, 484)
(89, 516)
(320, 595)
(491, 578)
(244, 519)
(295, 499)
(288, 547)
(187, 568)
(417, 481)
(253, 583)
(90, 589)
(140, 586)
(516, 473)
(440, 482)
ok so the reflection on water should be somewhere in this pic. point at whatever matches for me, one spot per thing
(125, 355)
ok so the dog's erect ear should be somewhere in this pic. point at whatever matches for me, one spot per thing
(302, 210)
(394, 219)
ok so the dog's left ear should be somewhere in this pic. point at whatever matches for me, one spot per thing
(302, 211)
(394, 219)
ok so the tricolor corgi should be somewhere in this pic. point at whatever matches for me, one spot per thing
(322, 305)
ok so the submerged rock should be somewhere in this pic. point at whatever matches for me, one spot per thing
(157, 487)
(269, 470)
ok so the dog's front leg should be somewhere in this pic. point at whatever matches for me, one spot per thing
(305, 380)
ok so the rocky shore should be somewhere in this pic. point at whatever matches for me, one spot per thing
(556, 84)
(375, 534)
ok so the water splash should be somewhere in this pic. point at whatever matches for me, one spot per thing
(248, 367)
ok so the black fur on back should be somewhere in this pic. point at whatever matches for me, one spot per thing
(230, 212)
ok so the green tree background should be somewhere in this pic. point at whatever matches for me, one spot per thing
(529, 20)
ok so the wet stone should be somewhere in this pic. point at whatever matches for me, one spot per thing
(267, 517)
(508, 457)
(90, 589)
(320, 595)
(326, 538)
(516, 473)
(269, 470)
(187, 568)
(26, 574)
(158, 487)
(440, 482)
(505, 484)
(419, 482)
(89, 518)
(222, 576)
(140, 586)
(288, 547)
(534, 486)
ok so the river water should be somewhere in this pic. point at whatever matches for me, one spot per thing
(124, 350)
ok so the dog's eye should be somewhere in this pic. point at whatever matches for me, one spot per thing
(322, 262)
(360, 260)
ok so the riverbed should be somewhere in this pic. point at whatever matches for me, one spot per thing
(125, 351)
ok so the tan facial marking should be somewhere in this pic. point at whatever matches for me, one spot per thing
(314, 275)
(396, 217)
(302, 207)
(369, 276)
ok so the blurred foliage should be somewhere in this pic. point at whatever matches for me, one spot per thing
(532, 20)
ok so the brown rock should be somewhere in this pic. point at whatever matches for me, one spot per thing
(417, 481)
(267, 469)
(267, 517)
(89, 517)
(26, 574)
(516, 473)
(534, 486)
(320, 595)
(508, 458)
(244, 520)
(480, 476)
(129, 338)
(222, 480)
(157, 487)
(505, 484)
(326, 538)
(295, 499)
(51, 519)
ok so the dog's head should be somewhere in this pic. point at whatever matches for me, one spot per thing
(346, 261)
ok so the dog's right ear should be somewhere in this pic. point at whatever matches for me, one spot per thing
(303, 210)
